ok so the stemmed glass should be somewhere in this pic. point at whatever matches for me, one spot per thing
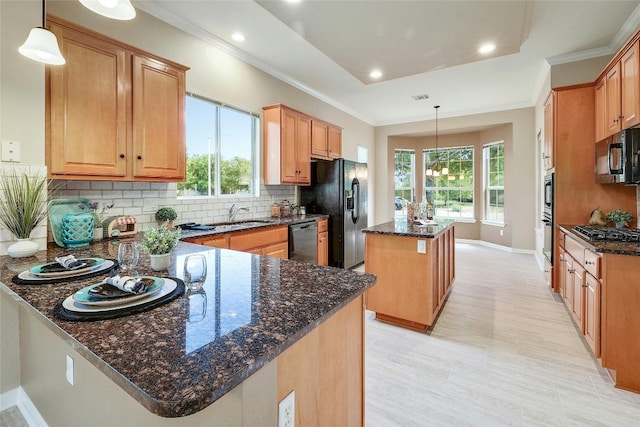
(195, 271)
(128, 256)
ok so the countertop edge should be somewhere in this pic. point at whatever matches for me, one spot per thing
(619, 248)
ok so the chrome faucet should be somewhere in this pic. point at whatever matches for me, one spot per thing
(233, 211)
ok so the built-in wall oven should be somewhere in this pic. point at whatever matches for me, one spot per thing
(547, 218)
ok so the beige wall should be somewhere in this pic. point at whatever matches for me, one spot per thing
(515, 127)
(573, 73)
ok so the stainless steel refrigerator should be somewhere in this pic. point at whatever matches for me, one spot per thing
(339, 189)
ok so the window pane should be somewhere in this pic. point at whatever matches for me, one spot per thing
(451, 194)
(494, 179)
(201, 134)
(404, 179)
(236, 149)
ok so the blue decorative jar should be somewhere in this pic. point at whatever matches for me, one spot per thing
(77, 229)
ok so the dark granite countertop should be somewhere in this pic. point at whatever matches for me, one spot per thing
(604, 246)
(252, 224)
(402, 227)
(256, 307)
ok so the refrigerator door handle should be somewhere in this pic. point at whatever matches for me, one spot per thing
(355, 191)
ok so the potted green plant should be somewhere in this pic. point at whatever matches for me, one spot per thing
(619, 217)
(23, 206)
(158, 243)
(166, 214)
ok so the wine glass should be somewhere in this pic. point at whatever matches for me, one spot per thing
(128, 256)
(195, 271)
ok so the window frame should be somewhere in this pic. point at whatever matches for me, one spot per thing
(412, 178)
(214, 191)
(446, 162)
(487, 188)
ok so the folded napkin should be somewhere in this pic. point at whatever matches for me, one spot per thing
(70, 262)
(127, 283)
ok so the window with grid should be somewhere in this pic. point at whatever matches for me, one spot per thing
(493, 155)
(404, 180)
(450, 194)
(222, 146)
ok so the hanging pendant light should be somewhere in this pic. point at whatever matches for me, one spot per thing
(42, 45)
(436, 168)
(115, 9)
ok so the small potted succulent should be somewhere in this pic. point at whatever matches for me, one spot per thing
(158, 243)
(620, 218)
(166, 214)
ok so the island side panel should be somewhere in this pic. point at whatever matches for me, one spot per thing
(405, 277)
(326, 371)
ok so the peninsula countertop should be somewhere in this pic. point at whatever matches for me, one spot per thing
(256, 307)
(402, 227)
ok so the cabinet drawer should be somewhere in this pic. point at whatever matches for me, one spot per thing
(575, 249)
(322, 225)
(254, 239)
(561, 239)
(592, 263)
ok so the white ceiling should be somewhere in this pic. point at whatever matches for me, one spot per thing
(328, 48)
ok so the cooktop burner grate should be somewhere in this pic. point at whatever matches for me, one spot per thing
(596, 232)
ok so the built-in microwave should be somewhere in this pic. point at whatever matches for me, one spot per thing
(618, 158)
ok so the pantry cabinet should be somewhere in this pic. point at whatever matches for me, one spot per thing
(287, 146)
(548, 132)
(113, 112)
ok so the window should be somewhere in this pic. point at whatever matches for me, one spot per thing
(404, 180)
(493, 155)
(221, 150)
(451, 194)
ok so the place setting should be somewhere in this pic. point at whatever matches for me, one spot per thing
(122, 293)
(64, 268)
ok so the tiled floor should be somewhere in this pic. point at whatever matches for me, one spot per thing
(11, 417)
(503, 352)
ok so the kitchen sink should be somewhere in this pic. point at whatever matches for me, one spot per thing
(238, 225)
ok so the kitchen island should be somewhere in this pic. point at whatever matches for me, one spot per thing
(415, 267)
(262, 328)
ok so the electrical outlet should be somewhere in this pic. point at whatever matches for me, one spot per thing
(69, 372)
(501, 232)
(286, 411)
(10, 151)
(422, 246)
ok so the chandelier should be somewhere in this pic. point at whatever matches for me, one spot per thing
(435, 169)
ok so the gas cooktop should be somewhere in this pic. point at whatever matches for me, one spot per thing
(597, 232)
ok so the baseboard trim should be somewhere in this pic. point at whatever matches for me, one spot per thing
(19, 397)
(496, 246)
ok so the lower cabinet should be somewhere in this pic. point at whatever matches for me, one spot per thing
(323, 243)
(591, 319)
(272, 241)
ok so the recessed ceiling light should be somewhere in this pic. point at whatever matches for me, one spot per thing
(239, 37)
(375, 74)
(487, 48)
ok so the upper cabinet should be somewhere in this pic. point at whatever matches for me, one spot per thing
(618, 93)
(287, 146)
(326, 140)
(113, 112)
(548, 132)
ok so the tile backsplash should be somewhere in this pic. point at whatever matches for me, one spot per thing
(142, 200)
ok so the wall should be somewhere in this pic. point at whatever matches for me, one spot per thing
(515, 127)
(578, 72)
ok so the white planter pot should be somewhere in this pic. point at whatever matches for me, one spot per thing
(22, 248)
(160, 262)
(98, 234)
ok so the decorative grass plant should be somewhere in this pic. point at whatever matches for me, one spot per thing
(23, 202)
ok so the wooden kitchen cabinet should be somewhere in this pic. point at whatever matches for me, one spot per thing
(326, 140)
(113, 112)
(592, 313)
(287, 146)
(601, 110)
(323, 243)
(270, 241)
(548, 132)
(630, 87)
(612, 100)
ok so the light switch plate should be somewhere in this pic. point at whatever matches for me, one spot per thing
(69, 372)
(10, 151)
(286, 411)
(422, 246)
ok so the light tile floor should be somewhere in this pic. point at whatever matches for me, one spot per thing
(503, 352)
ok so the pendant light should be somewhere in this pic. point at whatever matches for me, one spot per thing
(42, 45)
(114, 9)
(436, 168)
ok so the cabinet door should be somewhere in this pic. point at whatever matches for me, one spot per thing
(592, 313)
(567, 282)
(158, 120)
(279, 250)
(601, 110)
(613, 100)
(334, 143)
(215, 241)
(323, 248)
(548, 133)
(630, 89)
(319, 138)
(577, 304)
(87, 107)
(303, 150)
(288, 166)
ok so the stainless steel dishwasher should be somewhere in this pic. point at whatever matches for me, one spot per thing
(303, 242)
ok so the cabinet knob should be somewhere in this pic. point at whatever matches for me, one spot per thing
(585, 286)
(587, 262)
(122, 156)
(139, 157)
(570, 270)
